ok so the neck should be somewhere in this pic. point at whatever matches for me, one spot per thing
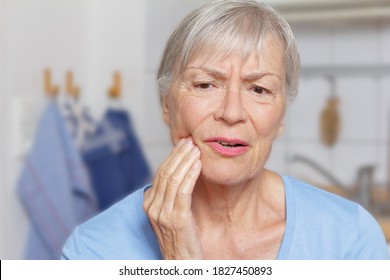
(223, 204)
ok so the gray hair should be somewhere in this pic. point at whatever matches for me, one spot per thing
(228, 25)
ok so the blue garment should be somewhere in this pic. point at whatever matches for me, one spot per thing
(114, 158)
(53, 187)
(319, 225)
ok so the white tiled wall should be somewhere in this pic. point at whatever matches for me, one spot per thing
(355, 43)
(2, 122)
(363, 101)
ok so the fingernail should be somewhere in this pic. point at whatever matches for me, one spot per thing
(182, 141)
(189, 142)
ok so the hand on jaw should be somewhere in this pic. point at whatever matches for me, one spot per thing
(168, 203)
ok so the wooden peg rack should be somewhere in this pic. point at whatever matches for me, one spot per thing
(115, 90)
(71, 89)
(50, 89)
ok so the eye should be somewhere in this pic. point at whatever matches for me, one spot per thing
(204, 85)
(259, 90)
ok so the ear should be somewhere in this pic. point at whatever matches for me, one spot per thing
(280, 129)
(165, 108)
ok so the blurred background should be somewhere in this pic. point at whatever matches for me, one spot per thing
(87, 67)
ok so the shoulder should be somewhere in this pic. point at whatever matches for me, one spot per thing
(120, 232)
(308, 196)
(312, 207)
(330, 226)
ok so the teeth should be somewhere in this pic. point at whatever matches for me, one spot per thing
(229, 144)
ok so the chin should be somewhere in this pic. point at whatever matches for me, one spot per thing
(223, 176)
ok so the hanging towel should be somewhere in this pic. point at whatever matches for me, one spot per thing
(79, 121)
(54, 187)
(114, 158)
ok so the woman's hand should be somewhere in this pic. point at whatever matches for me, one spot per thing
(168, 203)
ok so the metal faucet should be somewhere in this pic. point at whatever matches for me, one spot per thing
(364, 180)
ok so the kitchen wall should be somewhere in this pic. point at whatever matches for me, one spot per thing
(364, 101)
(94, 38)
(2, 122)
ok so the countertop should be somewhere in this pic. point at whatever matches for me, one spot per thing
(384, 221)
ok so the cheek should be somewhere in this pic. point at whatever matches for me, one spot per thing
(187, 115)
(269, 123)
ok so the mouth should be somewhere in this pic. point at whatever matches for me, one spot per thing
(228, 146)
(228, 142)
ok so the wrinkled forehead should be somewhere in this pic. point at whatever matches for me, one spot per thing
(218, 50)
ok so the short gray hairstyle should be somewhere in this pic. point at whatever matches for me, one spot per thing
(228, 25)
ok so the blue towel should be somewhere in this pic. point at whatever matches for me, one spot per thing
(114, 158)
(54, 187)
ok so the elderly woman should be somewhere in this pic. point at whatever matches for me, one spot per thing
(226, 76)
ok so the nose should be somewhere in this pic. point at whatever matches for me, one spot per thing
(231, 109)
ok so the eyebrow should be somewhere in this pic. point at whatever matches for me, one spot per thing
(257, 76)
(247, 77)
(211, 71)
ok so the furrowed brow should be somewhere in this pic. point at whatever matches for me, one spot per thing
(213, 72)
(258, 76)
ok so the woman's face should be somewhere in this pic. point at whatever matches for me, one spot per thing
(232, 108)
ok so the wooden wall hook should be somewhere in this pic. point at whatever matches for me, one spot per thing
(50, 89)
(330, 117)
(115, 90)
(71, 89)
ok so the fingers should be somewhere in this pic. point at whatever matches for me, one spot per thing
(168, 203)
(182, 182)
(177, 172)
(163, 171)
(184, 193)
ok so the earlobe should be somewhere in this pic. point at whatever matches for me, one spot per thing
(280, 129)
(165, 108)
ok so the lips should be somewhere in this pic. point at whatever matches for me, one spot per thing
(227, 146)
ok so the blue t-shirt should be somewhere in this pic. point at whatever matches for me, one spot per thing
(319, 225)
